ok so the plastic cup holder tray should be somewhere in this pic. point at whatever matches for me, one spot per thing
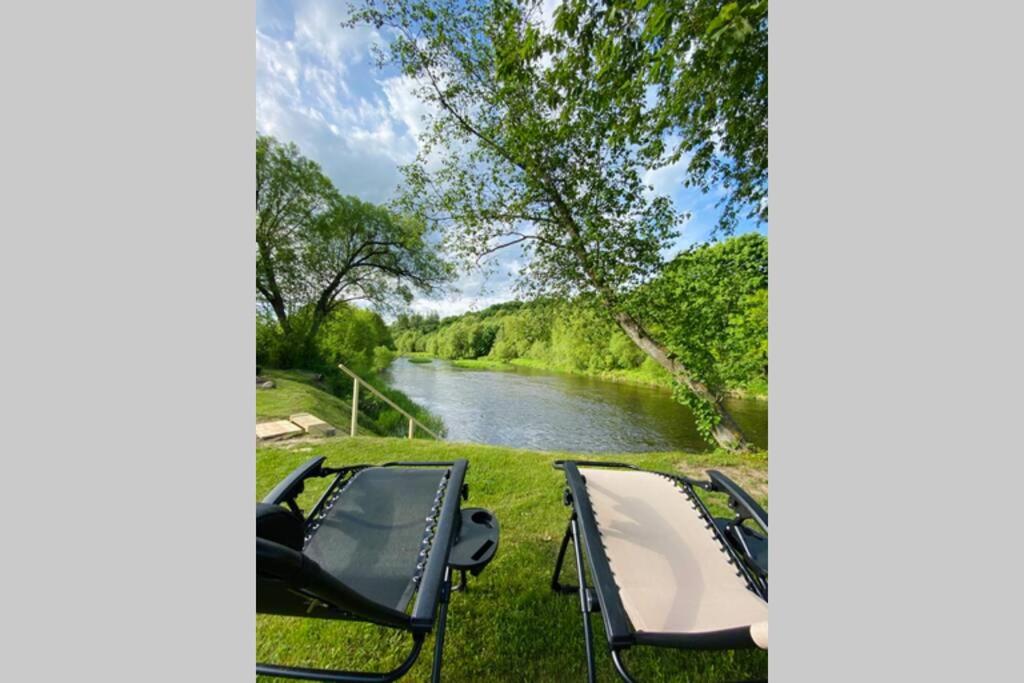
(477, 540)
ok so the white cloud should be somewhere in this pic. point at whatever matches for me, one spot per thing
(547, 13)
(404, 105)
(306, 93)
(456, 305)
(318, 29)
(667, 180)
(477, 289)
(280, 61)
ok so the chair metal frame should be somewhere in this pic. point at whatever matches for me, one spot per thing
(603, 596)
(433, 591)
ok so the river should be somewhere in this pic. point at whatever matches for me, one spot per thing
(527, 408)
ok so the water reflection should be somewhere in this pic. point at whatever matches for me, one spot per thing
(533, 409)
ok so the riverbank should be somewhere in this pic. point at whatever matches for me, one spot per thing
(509, 626)
(654, 377)
(301, 391)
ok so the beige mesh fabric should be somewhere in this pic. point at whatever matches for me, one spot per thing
(672, 574)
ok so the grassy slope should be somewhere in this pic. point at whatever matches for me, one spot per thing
(509, 626)
(292, 396)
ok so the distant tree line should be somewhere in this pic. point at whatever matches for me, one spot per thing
(571, 335)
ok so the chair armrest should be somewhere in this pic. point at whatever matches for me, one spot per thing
(739, 499)
(434, 573)
(292, 485)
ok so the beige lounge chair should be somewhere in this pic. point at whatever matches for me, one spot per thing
(664, 571)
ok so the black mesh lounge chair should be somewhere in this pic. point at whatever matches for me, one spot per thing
(665, 572)
(378, 537)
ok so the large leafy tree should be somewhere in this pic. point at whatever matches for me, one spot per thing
(527, 148)
(318, 249)
(690, 78)
(710, 306)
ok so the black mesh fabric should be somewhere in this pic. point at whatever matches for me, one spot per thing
(371, 536)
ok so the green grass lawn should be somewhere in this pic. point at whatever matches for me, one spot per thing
(509, 626)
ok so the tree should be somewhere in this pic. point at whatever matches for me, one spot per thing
(535, 153)
(691, 78)
(710, 306)
(318, 249)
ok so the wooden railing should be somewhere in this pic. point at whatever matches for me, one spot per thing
(356, 381)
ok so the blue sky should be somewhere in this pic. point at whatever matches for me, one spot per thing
(317, 86)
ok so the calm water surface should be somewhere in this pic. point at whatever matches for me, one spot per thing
(533, 409)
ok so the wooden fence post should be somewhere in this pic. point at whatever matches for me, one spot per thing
(355, 406)
(356, 381)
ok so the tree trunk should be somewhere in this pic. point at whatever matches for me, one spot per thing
(727, 433)
(269, 289)
(319, 316)
(282, 313)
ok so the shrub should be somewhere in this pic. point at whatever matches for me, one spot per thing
(382, 358)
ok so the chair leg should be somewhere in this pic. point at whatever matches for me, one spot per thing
(584, 603)
(620, 666)
(462, 585)
(555, 585)
(442, 621)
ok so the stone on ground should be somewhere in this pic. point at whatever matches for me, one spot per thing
(312, 424)
(278, 429)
